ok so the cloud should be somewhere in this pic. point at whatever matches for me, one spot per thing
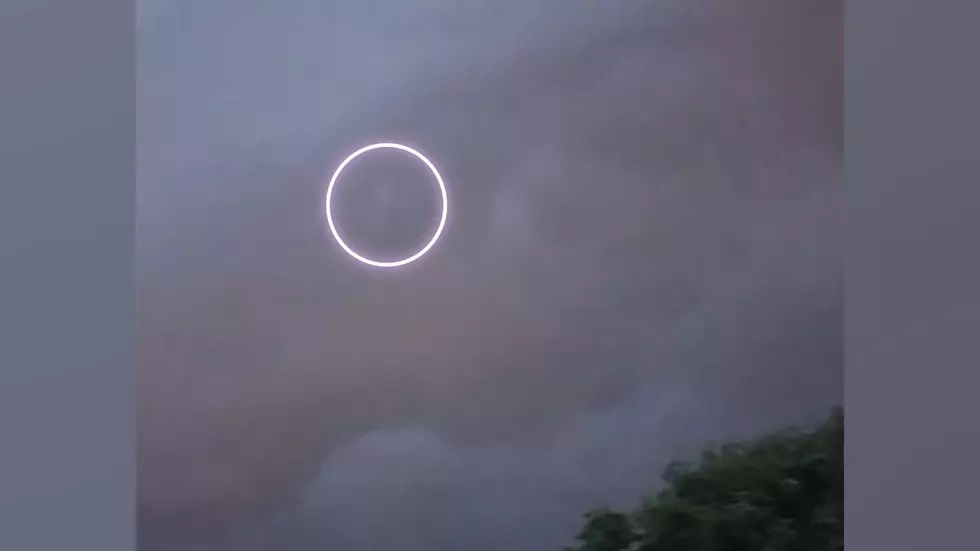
(644, 239)
(413, 487)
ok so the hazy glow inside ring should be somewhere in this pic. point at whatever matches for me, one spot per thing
(442, 220)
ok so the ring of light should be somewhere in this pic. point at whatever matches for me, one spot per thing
(442, 220)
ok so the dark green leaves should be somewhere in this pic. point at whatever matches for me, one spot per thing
(782, 492)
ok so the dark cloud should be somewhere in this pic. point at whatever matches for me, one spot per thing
(642, 256)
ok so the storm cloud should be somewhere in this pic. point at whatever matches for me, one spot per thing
(642, 256)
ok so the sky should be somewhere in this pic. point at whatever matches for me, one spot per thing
(642, 257)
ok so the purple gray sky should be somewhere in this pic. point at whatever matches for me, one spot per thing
(643, 256)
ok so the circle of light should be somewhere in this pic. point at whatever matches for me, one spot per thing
(442, 220)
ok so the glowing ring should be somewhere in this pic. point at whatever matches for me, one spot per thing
(442, 221)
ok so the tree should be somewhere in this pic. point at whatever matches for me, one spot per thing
(781, 492)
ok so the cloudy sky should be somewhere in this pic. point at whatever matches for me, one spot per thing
(642, 256)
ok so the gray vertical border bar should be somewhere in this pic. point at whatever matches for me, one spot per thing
(67, 231)
(913, 321)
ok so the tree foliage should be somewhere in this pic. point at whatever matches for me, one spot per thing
(781, 492)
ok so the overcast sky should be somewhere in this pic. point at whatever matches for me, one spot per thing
(642, 256)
